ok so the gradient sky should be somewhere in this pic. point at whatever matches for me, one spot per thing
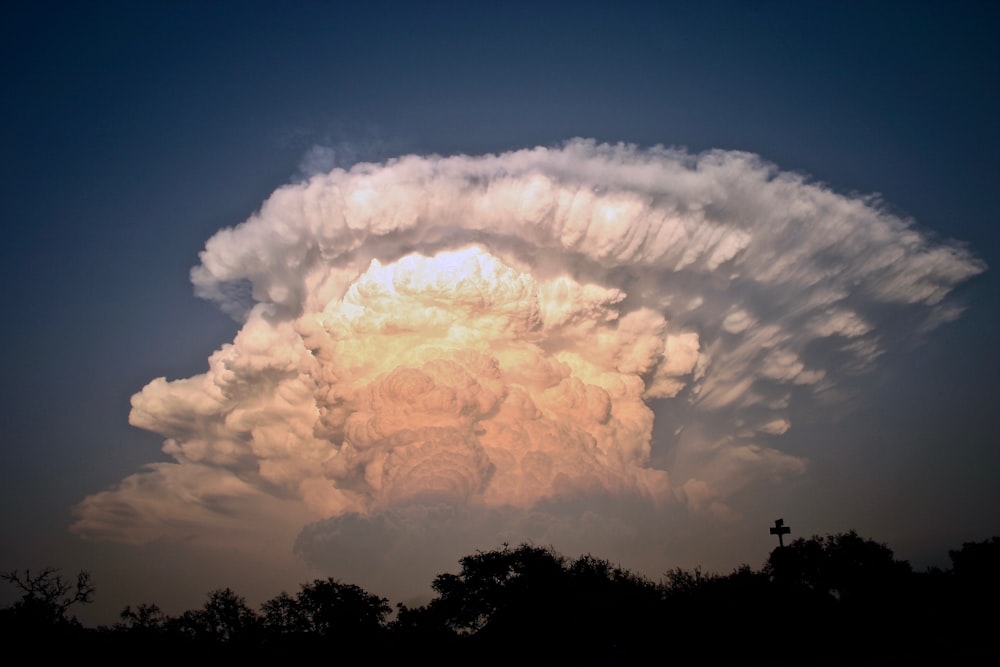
(133, 132)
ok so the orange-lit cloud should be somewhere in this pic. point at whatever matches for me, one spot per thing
(492, 334)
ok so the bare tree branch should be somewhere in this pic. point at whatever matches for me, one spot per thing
(47, 589)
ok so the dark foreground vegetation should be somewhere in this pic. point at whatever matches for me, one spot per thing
(835, 600)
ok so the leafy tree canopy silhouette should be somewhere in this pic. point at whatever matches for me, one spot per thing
(844, 566)
(505, 599)
(225, 617)
(832, 599)
(978, 562)
(326, 608)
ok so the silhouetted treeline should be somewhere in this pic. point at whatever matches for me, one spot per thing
(835, 600)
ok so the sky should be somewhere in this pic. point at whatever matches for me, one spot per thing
(355, 289)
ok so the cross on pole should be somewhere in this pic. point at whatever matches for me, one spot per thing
(780, 529)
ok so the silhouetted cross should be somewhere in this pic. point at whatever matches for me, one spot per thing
(780, 529)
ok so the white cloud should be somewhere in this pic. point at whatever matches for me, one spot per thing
(487, 333)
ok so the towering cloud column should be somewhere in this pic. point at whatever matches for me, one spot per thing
(493, 334)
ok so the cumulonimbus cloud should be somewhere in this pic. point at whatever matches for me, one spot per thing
(495, 332)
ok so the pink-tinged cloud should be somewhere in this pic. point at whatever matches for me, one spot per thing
(493, 334)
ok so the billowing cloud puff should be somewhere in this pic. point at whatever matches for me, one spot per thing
(494, 333)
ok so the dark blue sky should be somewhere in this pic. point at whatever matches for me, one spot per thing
(131, 132)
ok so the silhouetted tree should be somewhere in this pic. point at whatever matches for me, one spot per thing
(325, 610)
(490, 582)
(979, 564)
(838, 599)
(224, 618)
(508, 601)
(334, 608)
(679, 582)
(845, 587)
(46, 596)
(971, 606)
(283, 616)
(843, 566)
(740, 607)
(145, 619)
(424, 629)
